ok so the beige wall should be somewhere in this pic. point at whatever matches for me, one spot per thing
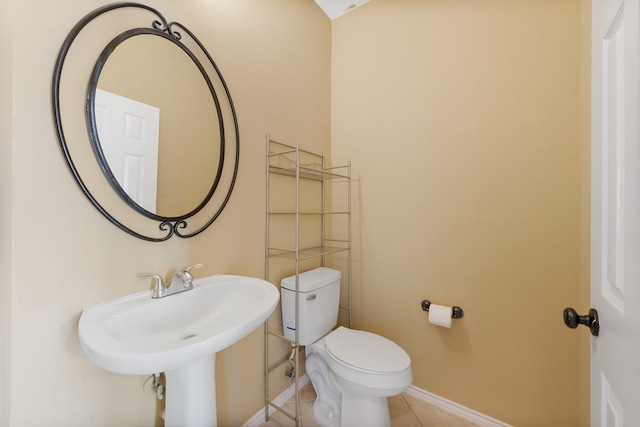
(464, 123)
(60, 255)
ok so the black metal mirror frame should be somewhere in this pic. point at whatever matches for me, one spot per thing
(168, 225)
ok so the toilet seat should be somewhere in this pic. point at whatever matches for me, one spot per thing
(367, 359)
(366, 351)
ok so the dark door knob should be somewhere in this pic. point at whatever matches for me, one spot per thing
(572, 319)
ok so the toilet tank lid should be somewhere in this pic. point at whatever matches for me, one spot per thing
(311, 280)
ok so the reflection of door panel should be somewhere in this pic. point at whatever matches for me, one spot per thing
(128, 132)
(615, 222)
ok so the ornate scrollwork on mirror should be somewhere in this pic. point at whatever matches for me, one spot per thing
(164, 144)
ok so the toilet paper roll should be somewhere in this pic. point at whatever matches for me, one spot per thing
(440, 315)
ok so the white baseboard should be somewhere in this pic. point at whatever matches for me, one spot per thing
(455, 408)
(446, 405)
(258, 419)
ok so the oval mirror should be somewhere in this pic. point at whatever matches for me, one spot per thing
(161, 123)
(155, 123)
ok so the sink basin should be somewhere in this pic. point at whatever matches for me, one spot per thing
(178, 335)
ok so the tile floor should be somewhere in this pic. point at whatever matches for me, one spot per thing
(406, 411)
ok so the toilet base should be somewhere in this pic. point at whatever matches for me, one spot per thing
(358, 410)
(325, 416)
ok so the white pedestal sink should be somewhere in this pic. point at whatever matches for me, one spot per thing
(178, 335)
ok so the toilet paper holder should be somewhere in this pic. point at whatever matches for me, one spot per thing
(456, 312)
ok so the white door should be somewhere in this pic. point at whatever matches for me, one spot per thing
(615, 213)
(128, 132)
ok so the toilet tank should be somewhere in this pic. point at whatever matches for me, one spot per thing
(319, 296)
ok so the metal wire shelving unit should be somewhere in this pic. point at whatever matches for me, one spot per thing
(286, 160)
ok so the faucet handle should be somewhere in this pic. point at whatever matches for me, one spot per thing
(193, 267)
(158, 283)
(186, 276)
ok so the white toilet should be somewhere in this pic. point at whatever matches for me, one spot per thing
(353, 372)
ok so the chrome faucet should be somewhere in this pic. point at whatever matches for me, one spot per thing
(180, 281)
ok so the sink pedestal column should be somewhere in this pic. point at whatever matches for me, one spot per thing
(191, 394)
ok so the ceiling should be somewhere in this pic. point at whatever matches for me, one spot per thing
(336, 8)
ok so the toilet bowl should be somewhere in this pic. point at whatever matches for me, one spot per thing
(362, 370)
(353, 372)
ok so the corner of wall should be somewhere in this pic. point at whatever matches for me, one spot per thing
(6, 236)
(585, 228)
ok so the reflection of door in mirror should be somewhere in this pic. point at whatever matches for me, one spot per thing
(129, 132)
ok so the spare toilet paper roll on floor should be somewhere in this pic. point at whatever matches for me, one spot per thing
(440, 315)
